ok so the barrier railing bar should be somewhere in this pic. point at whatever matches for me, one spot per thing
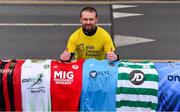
(151, 60)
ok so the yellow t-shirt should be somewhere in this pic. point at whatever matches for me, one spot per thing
(94, 46)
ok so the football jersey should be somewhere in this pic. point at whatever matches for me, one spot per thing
(35, 85)
(8, 86)
(7, 92)
(169, 86)
(17, 85)
(137, 87)
(2, 98)
(66, 85)
(99, 85)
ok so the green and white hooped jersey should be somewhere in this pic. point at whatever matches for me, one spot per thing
(137, 87)
(35, 85)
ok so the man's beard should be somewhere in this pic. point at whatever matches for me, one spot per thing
(89, 28)
(90, 32)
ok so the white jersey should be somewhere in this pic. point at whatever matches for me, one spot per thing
(35, 85)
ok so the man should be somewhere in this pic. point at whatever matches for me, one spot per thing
(89, 41)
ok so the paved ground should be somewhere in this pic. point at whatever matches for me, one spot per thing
(41, 31)
(156, 25)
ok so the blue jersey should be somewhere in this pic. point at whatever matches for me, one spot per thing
(99, 85)
(169, 86)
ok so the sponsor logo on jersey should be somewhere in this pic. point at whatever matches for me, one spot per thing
(38, 81)
(63, 77)
(173, 78)
(35, 85)
(94, 73)
(6, 71)
(137, 77)
(80, 48)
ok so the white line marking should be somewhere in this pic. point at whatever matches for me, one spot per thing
(123, 6)
(121, 40)
(121, 15)
(48, 24)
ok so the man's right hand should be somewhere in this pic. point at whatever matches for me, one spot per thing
(111, 56)
(65, 56)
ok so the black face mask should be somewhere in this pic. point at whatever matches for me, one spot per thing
(90, 33)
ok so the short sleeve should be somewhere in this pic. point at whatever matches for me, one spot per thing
(72, 43)
(108, 45)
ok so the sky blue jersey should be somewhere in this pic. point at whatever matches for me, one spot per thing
(99, 85)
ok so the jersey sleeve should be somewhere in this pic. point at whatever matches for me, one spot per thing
(72, 43)
(108, 45)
